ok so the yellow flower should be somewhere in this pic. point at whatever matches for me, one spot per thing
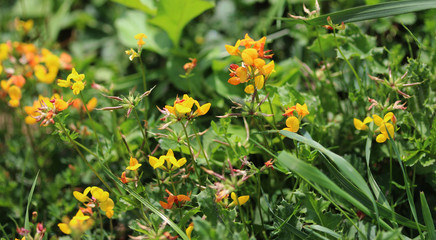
(293, 124)
(268, 68)
(140, 37)
(301, 110)
(379, 121)
(78, 87)
(78, 225)
(4, 51)
(249, 55)
(249, 89)
(133, 54)
(359, 125)
(83, 197)
(259, 81)
(133, 165)
(172, 162)
(238, 200)
(387, 131)
(189, 230)
(156, 163)
(15, 95)
(201, 110)
(233, 50)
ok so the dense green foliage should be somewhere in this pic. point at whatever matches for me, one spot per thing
(321, 174)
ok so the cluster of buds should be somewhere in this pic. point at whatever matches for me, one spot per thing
(47, 112)
(188, 67)
(129, 102)
(386, 126)
(395, 84)
(253, 67)
(39, 235)
(182, 109)
(293, 122)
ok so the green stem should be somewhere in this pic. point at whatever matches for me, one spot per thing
(407, 185)
(201, 145)
(144, 134)
(144, 83)
(359, 80)
(190, 150)
(92, 120)
(84, 159)
(274, 120)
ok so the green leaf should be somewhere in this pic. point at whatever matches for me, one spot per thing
(172, 16)
(29, 199)
(373, 12)
(428, 219)
(138, 4)
(134, 22)
(344, 166)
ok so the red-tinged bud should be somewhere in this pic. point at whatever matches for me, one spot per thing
(234, 66)
(328, 27)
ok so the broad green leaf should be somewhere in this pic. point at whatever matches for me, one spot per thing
(134, 22)
(428, 219)
(29, 199)
(373, 12)
(172, 16)
(138, 4)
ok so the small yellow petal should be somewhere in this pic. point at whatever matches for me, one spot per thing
(64, 228)
(293, 124)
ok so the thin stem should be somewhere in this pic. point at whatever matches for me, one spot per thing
(172, 182)
(84, 159)
(92, 120)
(274, 120)
(142, 131)
(201, 145)
(144, 83)
(190, 150)
(359, 80)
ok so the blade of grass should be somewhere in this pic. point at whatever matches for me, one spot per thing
(29, 199)
(344, 166)
(428, 219)
(145, 203)
(372, 12)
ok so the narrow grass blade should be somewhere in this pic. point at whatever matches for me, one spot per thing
(344, 166)
(29, 199)
(325, 230)
(146, 203)
(373, 12)
(428, 219)
(313, 175)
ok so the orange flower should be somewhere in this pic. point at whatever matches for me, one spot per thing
(177, 201)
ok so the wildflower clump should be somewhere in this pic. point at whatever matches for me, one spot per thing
(386, 126)
(293, 122)
(99, 198)
(45, 110)
(182, 109)
(254, 71)
(171, 162)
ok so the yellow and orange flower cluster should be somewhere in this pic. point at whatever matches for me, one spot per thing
(140, 41)
(45, 110)
(253, 65)
(100, 198)
(182, 108)
(293, 122)
(386, 126)
(171, 162)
